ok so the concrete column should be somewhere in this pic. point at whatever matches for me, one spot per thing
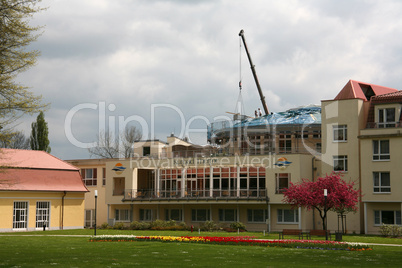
(238, 181)
(211, 185)
(365, 218)
(238, 213)
(300, 217)
(269, 218)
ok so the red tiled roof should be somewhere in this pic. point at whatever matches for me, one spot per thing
(31, 159)
(394, 97)
(387, 98)
(26, 170)
(41, 180)
(355, 90)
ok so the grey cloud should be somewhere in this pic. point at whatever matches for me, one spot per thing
(186, 53)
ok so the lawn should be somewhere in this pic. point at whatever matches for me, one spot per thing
(65, 251)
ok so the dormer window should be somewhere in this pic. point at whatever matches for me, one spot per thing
(386, 117)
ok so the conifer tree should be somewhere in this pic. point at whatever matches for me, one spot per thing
(39, 135)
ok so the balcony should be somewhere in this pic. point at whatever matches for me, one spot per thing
(235, 151)
(162, 195)
(383, 124)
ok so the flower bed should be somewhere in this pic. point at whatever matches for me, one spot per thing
(238, 240)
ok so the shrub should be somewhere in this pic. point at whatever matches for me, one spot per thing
(171, 223)
(119, 226)
(183, 225)
(135, 225)
(170, 228)
(159, 224)
(390, 230)
(208, 226)
(231, 230)
(105, 225)
(238, 225)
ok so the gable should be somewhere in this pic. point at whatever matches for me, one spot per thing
(359, 90)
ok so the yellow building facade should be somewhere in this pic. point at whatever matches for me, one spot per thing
(356, 134)
(39, 192)
(195, 190)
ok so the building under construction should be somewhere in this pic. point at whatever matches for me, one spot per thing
(293, 131)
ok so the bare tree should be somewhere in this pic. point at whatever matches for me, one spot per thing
(106, 146)
(14, 140)
(131, 134)
(109, 146)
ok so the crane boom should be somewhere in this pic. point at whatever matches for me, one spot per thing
(264, 104)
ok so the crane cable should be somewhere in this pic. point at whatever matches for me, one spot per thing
(240, 77)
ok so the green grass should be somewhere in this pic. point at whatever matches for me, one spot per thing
(20, 250)
(346, 238)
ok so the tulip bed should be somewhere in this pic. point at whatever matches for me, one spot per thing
(238, 240)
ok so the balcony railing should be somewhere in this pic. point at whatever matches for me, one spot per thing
(228, 151)
(383, 125)
(152, 194)
(299, 146)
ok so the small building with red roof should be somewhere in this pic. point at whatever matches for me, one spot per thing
(37, 191)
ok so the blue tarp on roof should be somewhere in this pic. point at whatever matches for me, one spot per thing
(297, 116)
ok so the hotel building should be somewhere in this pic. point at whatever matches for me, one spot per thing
(241, 175)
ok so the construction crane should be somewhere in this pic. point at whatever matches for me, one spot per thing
(264, 104)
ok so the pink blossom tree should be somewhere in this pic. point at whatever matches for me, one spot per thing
(342, 197)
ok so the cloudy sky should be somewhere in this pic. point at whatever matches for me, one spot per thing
(167, 66)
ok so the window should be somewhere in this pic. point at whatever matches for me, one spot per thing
(104, 177)
(145, 214)
(387, 217)
(119, 186)
(173, 214)
(257, 215)
(288, 216)
(340, 163)
(318, 147)
(340, 133)
(89, 218)
(316, 134)
(381, 150)
(20, 215)
(285, 143)
(228, 215)
(146, 151)
(282, 182)
(89, 176)
(386, 117)
(122, 215)
(42, 214)
(382, 182)
(200, 215)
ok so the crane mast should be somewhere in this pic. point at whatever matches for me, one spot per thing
(264, 104)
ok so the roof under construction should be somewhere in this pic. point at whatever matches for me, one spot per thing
(300, 116)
